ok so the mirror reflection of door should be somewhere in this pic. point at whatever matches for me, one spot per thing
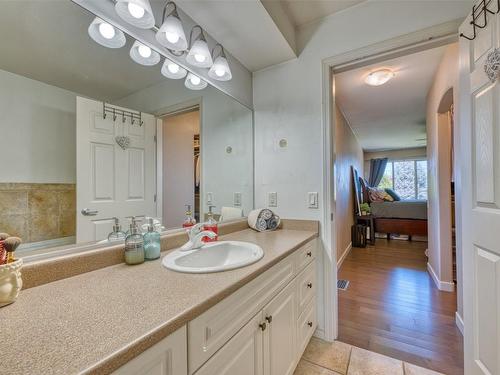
(181, 166)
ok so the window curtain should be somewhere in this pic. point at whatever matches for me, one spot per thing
(377, 169)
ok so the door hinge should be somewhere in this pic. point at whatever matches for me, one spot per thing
(331, 216)
(154, 198)
(154, 138)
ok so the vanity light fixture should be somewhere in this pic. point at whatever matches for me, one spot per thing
(106, 34)
(144, 55)
(173, 70)
(171, 33)
(379, 77)
(220, 69)
(199, 54)
(136, 12)
(194, 82)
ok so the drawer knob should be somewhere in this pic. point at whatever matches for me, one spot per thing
(263, 326)
(309, 254)
(269, 319)
(310, 324)
(309, 285)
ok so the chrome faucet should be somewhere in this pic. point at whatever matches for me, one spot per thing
(196, 233)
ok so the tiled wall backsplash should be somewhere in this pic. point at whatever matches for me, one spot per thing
(38, 212)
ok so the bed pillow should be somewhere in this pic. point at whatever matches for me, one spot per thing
(379, 195)
(393, 194)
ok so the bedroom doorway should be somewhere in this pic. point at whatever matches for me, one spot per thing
(396, 300)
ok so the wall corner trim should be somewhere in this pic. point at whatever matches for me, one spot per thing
(344, 255)
(459, 322)
(441, 285)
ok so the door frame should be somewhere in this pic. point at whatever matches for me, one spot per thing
(421, 40)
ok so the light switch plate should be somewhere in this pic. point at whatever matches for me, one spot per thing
(272, 199)
(312, 199)
(210, 198)
(237, 199)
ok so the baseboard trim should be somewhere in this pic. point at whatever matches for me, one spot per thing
(459, 322)
(319, 333)
(344, 255)
(441, 285)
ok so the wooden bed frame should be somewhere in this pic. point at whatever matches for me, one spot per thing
(409, 227)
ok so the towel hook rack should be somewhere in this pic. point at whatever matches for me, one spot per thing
(480, 12)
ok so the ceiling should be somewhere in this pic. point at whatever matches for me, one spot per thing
(52, 46)
(391, 116)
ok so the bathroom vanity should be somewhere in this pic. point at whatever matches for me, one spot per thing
(146, 319)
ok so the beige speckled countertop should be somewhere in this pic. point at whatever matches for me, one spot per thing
(99, 320)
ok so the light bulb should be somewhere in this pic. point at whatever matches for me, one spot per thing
(195, 80)
(173, 68)
(199, 58)
(220, 72)
(106, 30)
(135, 10)
(144, 51)
(172, 37)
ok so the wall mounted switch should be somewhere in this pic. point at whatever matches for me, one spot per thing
(272, 199)
(237, 199)
(312, 199)
(210, 198)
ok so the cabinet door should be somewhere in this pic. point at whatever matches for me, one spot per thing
(241, 355)
(168, 357)
(280, 335)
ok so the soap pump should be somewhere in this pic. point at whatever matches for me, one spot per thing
(117, 234)
(134, 245)
(152, 245)
(211, 225)
(189, 221)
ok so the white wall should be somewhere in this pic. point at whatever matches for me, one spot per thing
(178, 166)
(37, 127)
(224, 122)
(288, 97)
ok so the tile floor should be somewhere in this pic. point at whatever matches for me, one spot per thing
(337, 358)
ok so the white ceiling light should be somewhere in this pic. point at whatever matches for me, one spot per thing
(144, 55)
(136, 12)
(379, 77)
(173, 70)
(105, 34)
(220, 69)
(193, 82)
(171, 33)
(199, 54)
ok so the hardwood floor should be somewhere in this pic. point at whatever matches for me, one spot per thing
(392, 307)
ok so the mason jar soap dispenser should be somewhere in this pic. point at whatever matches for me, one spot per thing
(134, 245)
(117, 234)
(152, 246)
(210, 225)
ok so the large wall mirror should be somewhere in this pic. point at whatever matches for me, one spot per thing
(89, 135)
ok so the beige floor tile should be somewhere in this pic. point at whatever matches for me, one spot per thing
(333, 356)
(364, 362)
(416, 370)
(307, 368)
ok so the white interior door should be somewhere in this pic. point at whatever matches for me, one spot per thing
(112, 181)
(479, 151)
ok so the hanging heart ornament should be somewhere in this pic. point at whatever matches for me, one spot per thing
(123, 141)
(492, 65)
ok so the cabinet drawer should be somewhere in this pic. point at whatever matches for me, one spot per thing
(306, 286)
(211, 330)
(306, 324)
(305, 255)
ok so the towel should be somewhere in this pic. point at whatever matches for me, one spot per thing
(263, 219)
(273, 223)
(230, 213)
(266, 214)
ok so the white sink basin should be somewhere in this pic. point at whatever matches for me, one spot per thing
(214, 257)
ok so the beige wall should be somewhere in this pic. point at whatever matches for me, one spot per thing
(349, 153)
(403, 154)
(439, 171)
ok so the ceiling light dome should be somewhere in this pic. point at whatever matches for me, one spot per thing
(173, 70)
(105, 34)
(379, 77)
(144, 55)
(194, 82)
(220, 69)
(136, 12)
(171, 33)
(199, 55)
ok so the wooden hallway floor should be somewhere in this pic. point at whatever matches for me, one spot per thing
(393, 307)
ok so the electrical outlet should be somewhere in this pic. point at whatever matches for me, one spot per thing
(312, 199)
(237, 199)
(272, 199)
(210, 198)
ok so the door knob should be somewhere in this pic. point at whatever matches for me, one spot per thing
(89, 212)
(309, 254)
(310, 324)
(263, 326)
(309, 285)
(269, 319)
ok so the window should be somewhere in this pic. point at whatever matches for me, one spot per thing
(408, 178)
